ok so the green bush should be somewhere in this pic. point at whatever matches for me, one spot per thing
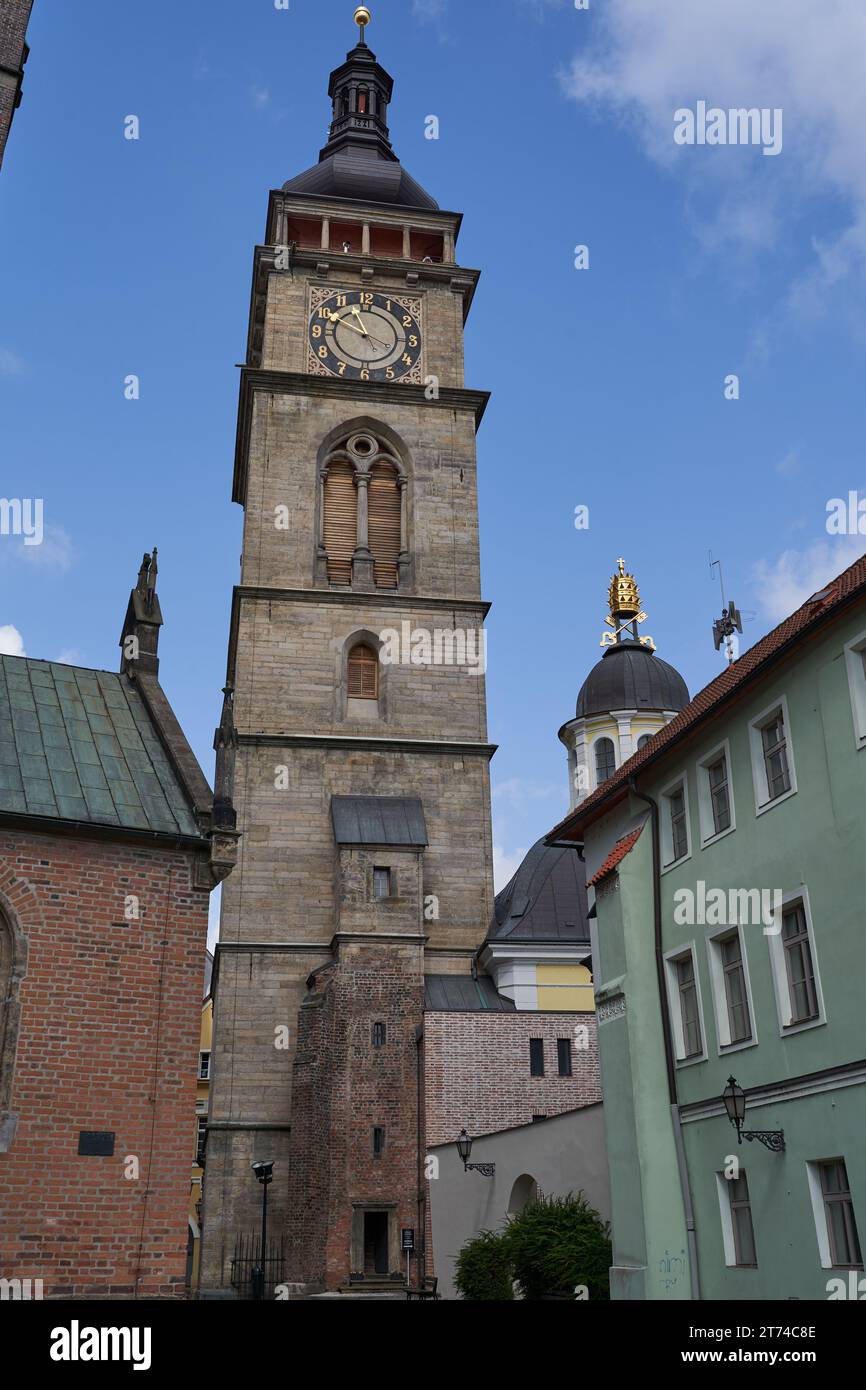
(483, 1269)
(556, 1244)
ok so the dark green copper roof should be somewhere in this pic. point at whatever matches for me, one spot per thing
(79, 745)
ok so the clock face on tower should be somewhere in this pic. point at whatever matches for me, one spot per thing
(362, 335)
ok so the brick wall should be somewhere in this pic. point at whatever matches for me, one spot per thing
(14, 15)
(108, 1040)
(343, 1088)
(477, 1070)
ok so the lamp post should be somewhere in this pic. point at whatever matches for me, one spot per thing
(265, 1175)
(464, 1148)
(734, 1098)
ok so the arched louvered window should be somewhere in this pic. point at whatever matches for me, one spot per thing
(605, 760)
(385, 504)
(363, 681)
(341, 521)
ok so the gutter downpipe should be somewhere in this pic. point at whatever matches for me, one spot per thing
(670, 1065)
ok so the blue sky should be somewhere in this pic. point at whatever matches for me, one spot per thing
(126, 257)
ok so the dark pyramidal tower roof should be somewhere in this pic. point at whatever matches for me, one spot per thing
(359, 162)
(629, 675)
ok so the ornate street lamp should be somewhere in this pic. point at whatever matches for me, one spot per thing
(265, 1175)
(735, 1104)
(464, 1148)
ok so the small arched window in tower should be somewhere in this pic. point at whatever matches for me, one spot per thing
(363, 102)
(384, 527)
(643, 741)
(363, 681)
(605, 760)
(341, 522)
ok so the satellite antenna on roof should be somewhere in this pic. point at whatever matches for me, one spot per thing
(730, 623)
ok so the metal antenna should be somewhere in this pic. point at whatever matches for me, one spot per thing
(731, 620)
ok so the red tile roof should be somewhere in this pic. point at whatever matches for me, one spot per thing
(815, 612)
(616, 856)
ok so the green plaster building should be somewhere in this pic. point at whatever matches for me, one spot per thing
(728, 858)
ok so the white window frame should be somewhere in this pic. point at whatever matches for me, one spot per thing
(779, 969)
(856, 665)
(720, 998)
(617, 761)
(819, 1212)
(723, 1188)
(763, 801)
(709, 834)
(675, 1008)
(667, 839)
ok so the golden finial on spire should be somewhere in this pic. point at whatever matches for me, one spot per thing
(362, 19)
(625, 610)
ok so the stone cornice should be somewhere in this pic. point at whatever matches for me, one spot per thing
(368, 393)
(348, 743)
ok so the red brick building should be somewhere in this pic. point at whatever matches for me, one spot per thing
(14, 18)
(110, 844)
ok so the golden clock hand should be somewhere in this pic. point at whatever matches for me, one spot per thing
(357, 313)
(347, 323)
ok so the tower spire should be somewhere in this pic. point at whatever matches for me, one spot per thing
(362, 19)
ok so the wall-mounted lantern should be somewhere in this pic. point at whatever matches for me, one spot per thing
(735, 1105)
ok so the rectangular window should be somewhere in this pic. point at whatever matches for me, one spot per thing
(745, 1256)
(201, 1136)
(775, 745)
(845, 1252)
(382, 883)
(679, 829)
(855, 661)
(378, 1141)
(799, 969)
(563, 1050)
(536, 1056)
(720, 801)
(380, 1034)
(689, 1012)
(204, 1066)
(736, 996)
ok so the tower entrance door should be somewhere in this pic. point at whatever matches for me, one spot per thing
(376, 1242)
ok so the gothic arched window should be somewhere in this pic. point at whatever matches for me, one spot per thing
(340, 521)
(364, 519)
(605, 760)
(385, 525)
(363, 679)
(12, 964)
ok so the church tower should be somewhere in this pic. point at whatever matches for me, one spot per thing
(361, 755)
(627, 697)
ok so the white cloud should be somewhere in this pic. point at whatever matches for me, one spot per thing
(516, 791)
(648, 59)
(428, 11)
(10, 365)
(261, 97)
(11, 642)
(505, 865)
(70, 656)
(55, 553)
(783, 585)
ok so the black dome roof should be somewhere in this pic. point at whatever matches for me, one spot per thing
(630, 676)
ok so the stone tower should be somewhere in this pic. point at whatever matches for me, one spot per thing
(362, 760)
